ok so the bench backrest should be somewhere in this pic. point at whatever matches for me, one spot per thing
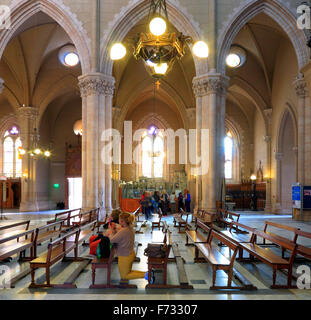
(233, 215)
(281, 226)
(14, 225)
(304, 234)
(222, 239)
(16, 237)
(286, 244)
(243, 226)
(52, 226)
(61, 242)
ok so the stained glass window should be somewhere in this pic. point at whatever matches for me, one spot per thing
(228, 157)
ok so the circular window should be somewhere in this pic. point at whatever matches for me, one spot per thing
(236, 57)
(68, 56)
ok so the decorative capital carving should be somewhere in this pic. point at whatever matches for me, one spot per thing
(210, 83)
(96, 83)
(29, 113)
(1, 85)
(300, 86)
(268, 113)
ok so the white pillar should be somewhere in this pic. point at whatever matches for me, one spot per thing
(27, 121)
(96, 91)
(278, 158)
(210, 90)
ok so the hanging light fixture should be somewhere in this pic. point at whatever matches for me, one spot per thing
(36, 150)
(157, 46)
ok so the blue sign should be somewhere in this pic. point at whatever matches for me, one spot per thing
(296, 191)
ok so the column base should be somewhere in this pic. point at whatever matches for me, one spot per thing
(277, 208)
(268, 208)
(29, 206)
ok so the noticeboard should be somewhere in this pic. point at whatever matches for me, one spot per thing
(296, 196)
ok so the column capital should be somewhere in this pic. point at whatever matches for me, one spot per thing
(28, 113)
(300, 86)
(210, 83)
(1, 85)
(96, 83)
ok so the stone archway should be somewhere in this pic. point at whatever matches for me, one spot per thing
(23, 10)
(136, 10)
(275, 10)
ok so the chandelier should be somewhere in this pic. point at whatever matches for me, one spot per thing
(158, 47)
(35, 150)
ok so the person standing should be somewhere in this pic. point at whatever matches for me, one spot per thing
(173, 202)
(187, 201)
(156, 201)
(181, 204)
(124, 239)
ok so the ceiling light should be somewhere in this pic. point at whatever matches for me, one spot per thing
(160, 68)
(71, 59)
(117, 51)
(236, 57)
(200, 49)
(157, 26)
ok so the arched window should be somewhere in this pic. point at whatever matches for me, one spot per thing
(153, 154)
(228, 156)
(12, 162)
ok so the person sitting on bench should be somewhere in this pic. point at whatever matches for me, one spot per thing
(124, 239)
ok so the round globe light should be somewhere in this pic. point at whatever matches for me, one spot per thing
(71, 59)
(200, 49)
(233, 60)
(157, 26)
(77, 128)
(117, 51)
(161, 68)
(37, 151)
(47, 153)
(22, 152)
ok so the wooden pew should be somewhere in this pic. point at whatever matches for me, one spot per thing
(14, 244)
(156, 221)
(197, 237)
(282, 227)
(227, 217)
(103, 264)
(180, 222)
(303, 250)
(23, 227)
(270, 258)
(67, 217)
(218, 261)
(57, 250)
(47, 232)
(85, 218)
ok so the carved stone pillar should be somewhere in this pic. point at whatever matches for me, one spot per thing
(278, 158)
(302, 94)
(210, 92)
(27, 117)
(96, 92)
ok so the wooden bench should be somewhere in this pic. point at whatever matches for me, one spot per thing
(103, 264)
(197, 237)
(269, 257)
(301, 249)
(57, 250)
(47, 232)
(85, 218)
(156, 221)
(227, 217)
(218, 261)
(155, 263)
(180, 222)
(14, 244)
(66, 217)
(23, 227)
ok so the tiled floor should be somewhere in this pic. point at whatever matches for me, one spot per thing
(199, 274)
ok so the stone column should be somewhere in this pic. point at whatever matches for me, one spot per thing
(210, 92)
(302, 94)
(96, 92)
(27, 120)
(278, 158)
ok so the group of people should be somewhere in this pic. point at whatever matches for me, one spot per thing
(152, 201)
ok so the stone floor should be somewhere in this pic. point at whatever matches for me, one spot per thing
(199, 275)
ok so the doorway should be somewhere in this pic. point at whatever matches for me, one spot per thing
(74, 193)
